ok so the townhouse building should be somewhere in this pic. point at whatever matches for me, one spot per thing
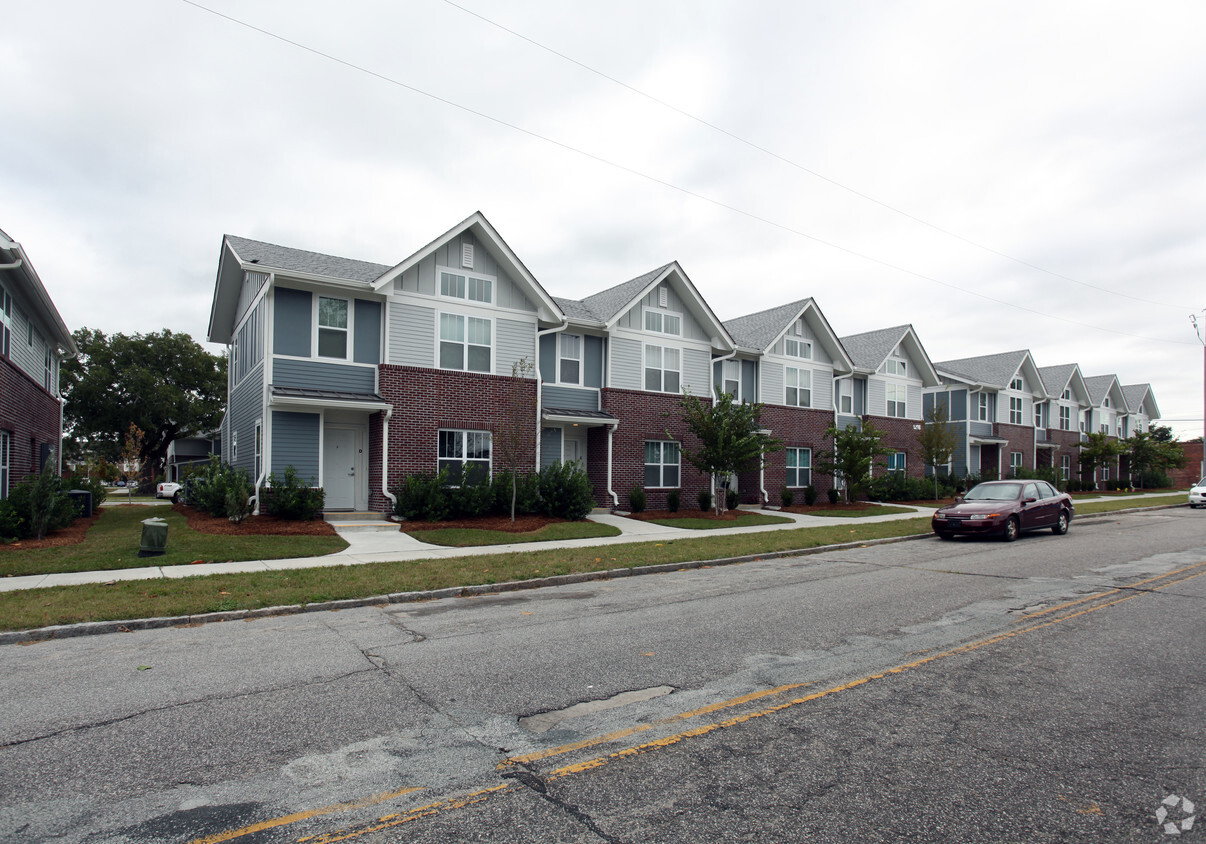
(1059, 420)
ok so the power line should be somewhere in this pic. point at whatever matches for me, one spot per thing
(648, 177)
(778, 157)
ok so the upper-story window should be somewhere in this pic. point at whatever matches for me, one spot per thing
(895, 366)
(48, 360)
(1038, 416)
(1016, 383)
(470, 287)
(663, 369)
(6, 321)
(897, 400)
(1068, 395)
(661, 322)
(797, 387)
(982, 407)
(845, 389)
(1065, 419)
(1015, 410)
(465, 343)
(570, 362)
(795, 347)
(730, 381)
(333, 328)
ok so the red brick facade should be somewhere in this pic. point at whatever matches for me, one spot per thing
(427, 400)
(797, 428)
(643, 416)
(1021, 438)
(31, 416)
(1189, 474)
(1065, 444)
(901, 435)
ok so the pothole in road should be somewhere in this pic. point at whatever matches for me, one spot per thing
(544, 721)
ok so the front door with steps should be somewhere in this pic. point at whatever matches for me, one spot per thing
(339, 468)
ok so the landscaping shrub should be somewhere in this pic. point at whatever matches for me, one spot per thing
(94, 486)
(421, 497)
(786, 497)
(566, 491)
(527, 493)
(207, 489)
(289, 497)
(1153, 479)
(704, 499)
(13, 525)
(36, 507)
(894, 486)
(238, 497)
(673, 500)
(472, 497)
(731, 499)
(810, 495)
(834, 495)
(636, 499)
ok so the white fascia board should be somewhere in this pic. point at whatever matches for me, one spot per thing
(727, 344)
(329, 404)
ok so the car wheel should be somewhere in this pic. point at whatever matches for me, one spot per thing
(1011, 530)
(175, 498)
(1061, 525)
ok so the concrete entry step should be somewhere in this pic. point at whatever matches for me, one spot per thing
(359, 519)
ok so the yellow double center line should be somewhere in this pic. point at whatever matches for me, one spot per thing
(1060, 613)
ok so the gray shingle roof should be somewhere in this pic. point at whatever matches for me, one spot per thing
(993, 370)
(758, 331)
(607, 303)
(1057, 377)
(574, 309)
(1135, 395)
(299, 260)
(869, 349)
(1099, 386)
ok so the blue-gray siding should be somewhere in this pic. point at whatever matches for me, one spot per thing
(513, 340)
(291, 322)
(574, 398)
(550, 446)
(316, 375)
(411, 335)
(592, 361)
(548, 358)
(245, 407)
(295, 443)
(366, 346)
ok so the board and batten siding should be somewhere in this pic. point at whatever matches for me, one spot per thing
(411, 335)
(819, 355)
(513, 340)
(253, 282)
(295, 443)
(633, 319)
(316, 375)
(422, 278)
(245, 407)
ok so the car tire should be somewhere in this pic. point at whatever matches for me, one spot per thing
(1061, 524)
(947, 536)
(175, 497)
(1012, 530)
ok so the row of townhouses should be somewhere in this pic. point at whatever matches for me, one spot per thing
(358, 374)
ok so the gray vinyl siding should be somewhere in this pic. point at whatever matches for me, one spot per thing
(366, 346)
(315, 375)
(959, 457)
(958, 405)
(569, 397)
(859, 403)
(548, 358)
(295, 443)
(914, 399)
(819, 354)
(749, 380)
(252, 283)
(634, 317)
(550, 446)
(245, 407)
(422, 278)
(411, 335)
(772, 382)
(980, 429)
(626, 364)
(513, 340)
(695, 380)
(877, 401)
(291, 322)
(31, 359)
(842, 421)
(592, 361)
(822, 389)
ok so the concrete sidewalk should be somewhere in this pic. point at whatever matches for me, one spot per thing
(372, 544)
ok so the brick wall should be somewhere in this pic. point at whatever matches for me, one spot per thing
(643, 416)
(31, 415)
(900, 435)
(1065, 443)
(797, 428)
(1186, 477)
(426, 400)
(1021, 438)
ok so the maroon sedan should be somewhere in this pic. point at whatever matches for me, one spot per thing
(1006, 508)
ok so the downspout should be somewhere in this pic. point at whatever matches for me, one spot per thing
(13, 266)
(393, 499)
(540, 383)
(611, 431)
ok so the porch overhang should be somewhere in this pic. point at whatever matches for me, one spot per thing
(981, 440)
(1047, 444)
(297, 397)
(580, 418)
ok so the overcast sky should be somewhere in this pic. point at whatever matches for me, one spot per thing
(1001, 175)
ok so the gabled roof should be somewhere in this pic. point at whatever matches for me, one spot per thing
(488, 236)
(870, 349)
(26, 287)
(1064, 377)
(994, 371)
(1101, 386)
(1141, 395)
(608, 304)
(760, 331)
(270, 258)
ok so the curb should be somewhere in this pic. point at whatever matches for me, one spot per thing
(96, 628)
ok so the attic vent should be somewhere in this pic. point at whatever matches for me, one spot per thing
(798, 328)
(663, 297)
(467, 255)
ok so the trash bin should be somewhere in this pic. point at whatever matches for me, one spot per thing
(154, 537)
(83, 501)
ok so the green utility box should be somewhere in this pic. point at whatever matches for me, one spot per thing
(154, 537)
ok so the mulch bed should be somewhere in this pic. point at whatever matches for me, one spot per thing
(522, 524)
(71, 535)
(250, 526)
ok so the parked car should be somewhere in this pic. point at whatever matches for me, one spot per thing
(167, 490)
(1197, 495)
(1007, 508)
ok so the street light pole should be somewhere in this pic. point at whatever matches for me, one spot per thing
(1200, 327)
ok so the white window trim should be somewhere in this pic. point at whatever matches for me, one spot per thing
(900, 363)
(804, 345)
(983, 411)
(579, 359)
(1016, 383)
(724, 378)
(258, 463)
(1065, 418)
(799, 369)
(663, 464)
(465, 343)
(1020, 411)
(462, 434)
(798, 467)
(466, 274)
(1013, 466)
(662, 368)
(6, 451)
(665, 313)
(349, 351)
(903, 459)
(902, 405)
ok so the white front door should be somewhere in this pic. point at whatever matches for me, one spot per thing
(573, 446)
(339, 468)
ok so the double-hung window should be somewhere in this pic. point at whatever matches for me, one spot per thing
(465, 343)
(895, 366)
(982, 407)
(797, 387)
(471, 288)
(663, 369)
(6, 448)
(845, 388)
(1038, 415)
(897, 400)
(799, 467)
(1065, 419)
(1015, 410)
(730, 381)
(1065, 466)
(464, 454)
(332, 328)
(571, 359)
(6, 321)
(896, 462)
(661, 322)
(259, 451)
(1015, 462)
(662, 461)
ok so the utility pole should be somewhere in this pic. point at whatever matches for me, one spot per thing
(1199, 325)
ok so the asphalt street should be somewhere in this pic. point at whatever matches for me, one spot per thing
(1047, 690)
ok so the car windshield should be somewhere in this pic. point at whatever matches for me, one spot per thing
(993, 492)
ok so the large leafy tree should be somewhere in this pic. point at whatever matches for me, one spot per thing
(1097, 450)
(730, 439)
(854, 453)
(164, 383)
(1150, 454)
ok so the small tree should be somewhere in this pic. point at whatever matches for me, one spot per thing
(729, 439)
(854, 453)
(936, 440)
(131, 453)
(516, 432)
(1149, 454)
(1097, 450)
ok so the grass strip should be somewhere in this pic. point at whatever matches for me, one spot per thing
(112, 543)
(744, 519)
(876, 510)
(1086, 508)
(472, 537)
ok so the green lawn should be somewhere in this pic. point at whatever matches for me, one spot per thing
(1084, 508)
(468, 537)
(744, 519)
(874, 510)
(113, 541)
